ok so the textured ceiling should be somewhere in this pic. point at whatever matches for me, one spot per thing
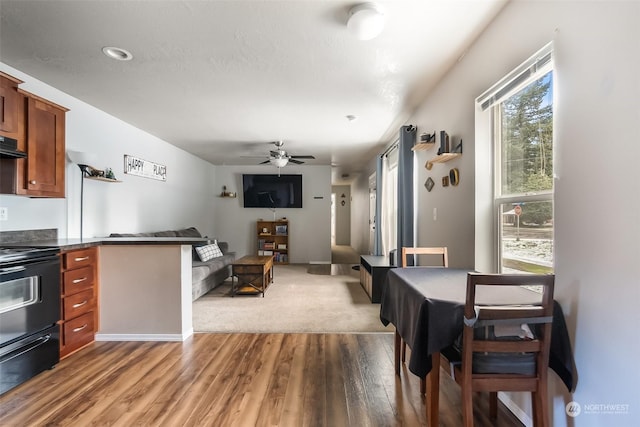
(222, 79)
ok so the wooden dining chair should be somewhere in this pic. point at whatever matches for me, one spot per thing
(484, 362)
(442, 251)
(404, 262)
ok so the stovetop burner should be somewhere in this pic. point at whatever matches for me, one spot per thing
(23, 253)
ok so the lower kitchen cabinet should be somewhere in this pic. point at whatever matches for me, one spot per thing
(79, 301)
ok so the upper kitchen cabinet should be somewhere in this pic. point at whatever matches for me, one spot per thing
(9, 105)
(41, 134)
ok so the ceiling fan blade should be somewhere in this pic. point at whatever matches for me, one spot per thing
(302, 157)
(297, 162)
(264, 163)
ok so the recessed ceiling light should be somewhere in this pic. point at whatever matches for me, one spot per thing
(117, 53)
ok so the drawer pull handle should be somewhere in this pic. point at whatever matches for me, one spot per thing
(80, 304)
(82, 279)
(80, 328)
(84, 258)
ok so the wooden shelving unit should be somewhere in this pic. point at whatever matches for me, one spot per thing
(273, 239)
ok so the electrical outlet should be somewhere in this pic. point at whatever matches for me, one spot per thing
(4, 214)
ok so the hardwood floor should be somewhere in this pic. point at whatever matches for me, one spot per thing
(234, 380)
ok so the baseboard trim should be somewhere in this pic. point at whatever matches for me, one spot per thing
(144, 337)
(515, 409)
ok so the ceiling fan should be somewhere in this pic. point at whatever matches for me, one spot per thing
(280, 158)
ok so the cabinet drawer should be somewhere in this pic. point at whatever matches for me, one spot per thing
(249, 269)
(78, 304)
(77, 280)
(79, 258)
(78, 332)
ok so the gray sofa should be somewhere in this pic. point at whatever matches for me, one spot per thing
(204, 275)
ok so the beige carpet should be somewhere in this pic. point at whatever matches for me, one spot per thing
(297, 301)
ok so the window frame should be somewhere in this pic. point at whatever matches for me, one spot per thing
(531, 70)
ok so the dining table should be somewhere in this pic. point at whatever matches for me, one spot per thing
(426, 307)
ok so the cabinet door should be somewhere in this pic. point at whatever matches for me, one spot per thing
(9, 106)
(45, 148)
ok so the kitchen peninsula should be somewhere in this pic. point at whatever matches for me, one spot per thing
(144, 291)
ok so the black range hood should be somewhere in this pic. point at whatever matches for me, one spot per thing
(9, 148)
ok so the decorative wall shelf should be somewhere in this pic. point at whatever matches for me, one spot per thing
(423, 146)
(100, 178)
(445, 157)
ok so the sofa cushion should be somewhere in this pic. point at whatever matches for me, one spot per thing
(201, 270)
(208, 252)
(188, 232)
(168, 233)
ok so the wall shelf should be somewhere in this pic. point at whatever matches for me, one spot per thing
(445, 157)
(423, 146)
(100, 178)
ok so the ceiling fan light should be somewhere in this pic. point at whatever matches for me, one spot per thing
(279, 162)
(366, 21)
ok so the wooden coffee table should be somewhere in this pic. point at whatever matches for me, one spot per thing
(251, 275)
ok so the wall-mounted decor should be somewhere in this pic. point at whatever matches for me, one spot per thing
(454, 176)
(227, 194)
(144, 168)
(429, 184)
(445, 181)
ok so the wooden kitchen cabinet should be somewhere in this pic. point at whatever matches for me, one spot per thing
(40, 131)
(79, 302)
(9, 105)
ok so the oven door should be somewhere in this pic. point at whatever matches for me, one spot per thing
(29, 297)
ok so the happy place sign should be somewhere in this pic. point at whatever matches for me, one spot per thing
(144, 168)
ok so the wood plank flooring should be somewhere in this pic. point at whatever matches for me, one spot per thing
(234, 380)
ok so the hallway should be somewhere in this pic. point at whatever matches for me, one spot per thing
(344, 254)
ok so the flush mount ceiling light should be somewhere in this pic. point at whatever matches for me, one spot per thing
(117, 53)
(366, 21)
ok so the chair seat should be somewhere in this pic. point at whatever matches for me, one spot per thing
(494, 363)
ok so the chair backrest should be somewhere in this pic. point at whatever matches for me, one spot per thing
(425, 251)
(505, 362)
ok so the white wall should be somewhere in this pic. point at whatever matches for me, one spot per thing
(136, 204)
(597, 54)
(309, 227)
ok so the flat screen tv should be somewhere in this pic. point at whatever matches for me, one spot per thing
(272, 191)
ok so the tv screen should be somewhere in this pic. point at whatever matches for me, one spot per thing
(272, 191)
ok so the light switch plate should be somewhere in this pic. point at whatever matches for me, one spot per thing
(4, 214)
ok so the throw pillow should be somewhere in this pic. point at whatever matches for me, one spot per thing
(208, 252)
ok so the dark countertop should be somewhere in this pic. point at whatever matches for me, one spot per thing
(72, 244)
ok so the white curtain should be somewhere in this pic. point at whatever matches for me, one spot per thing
(389, 201)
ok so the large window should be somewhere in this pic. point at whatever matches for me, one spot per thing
(522, 114)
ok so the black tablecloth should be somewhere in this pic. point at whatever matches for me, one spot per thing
(426, 305)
